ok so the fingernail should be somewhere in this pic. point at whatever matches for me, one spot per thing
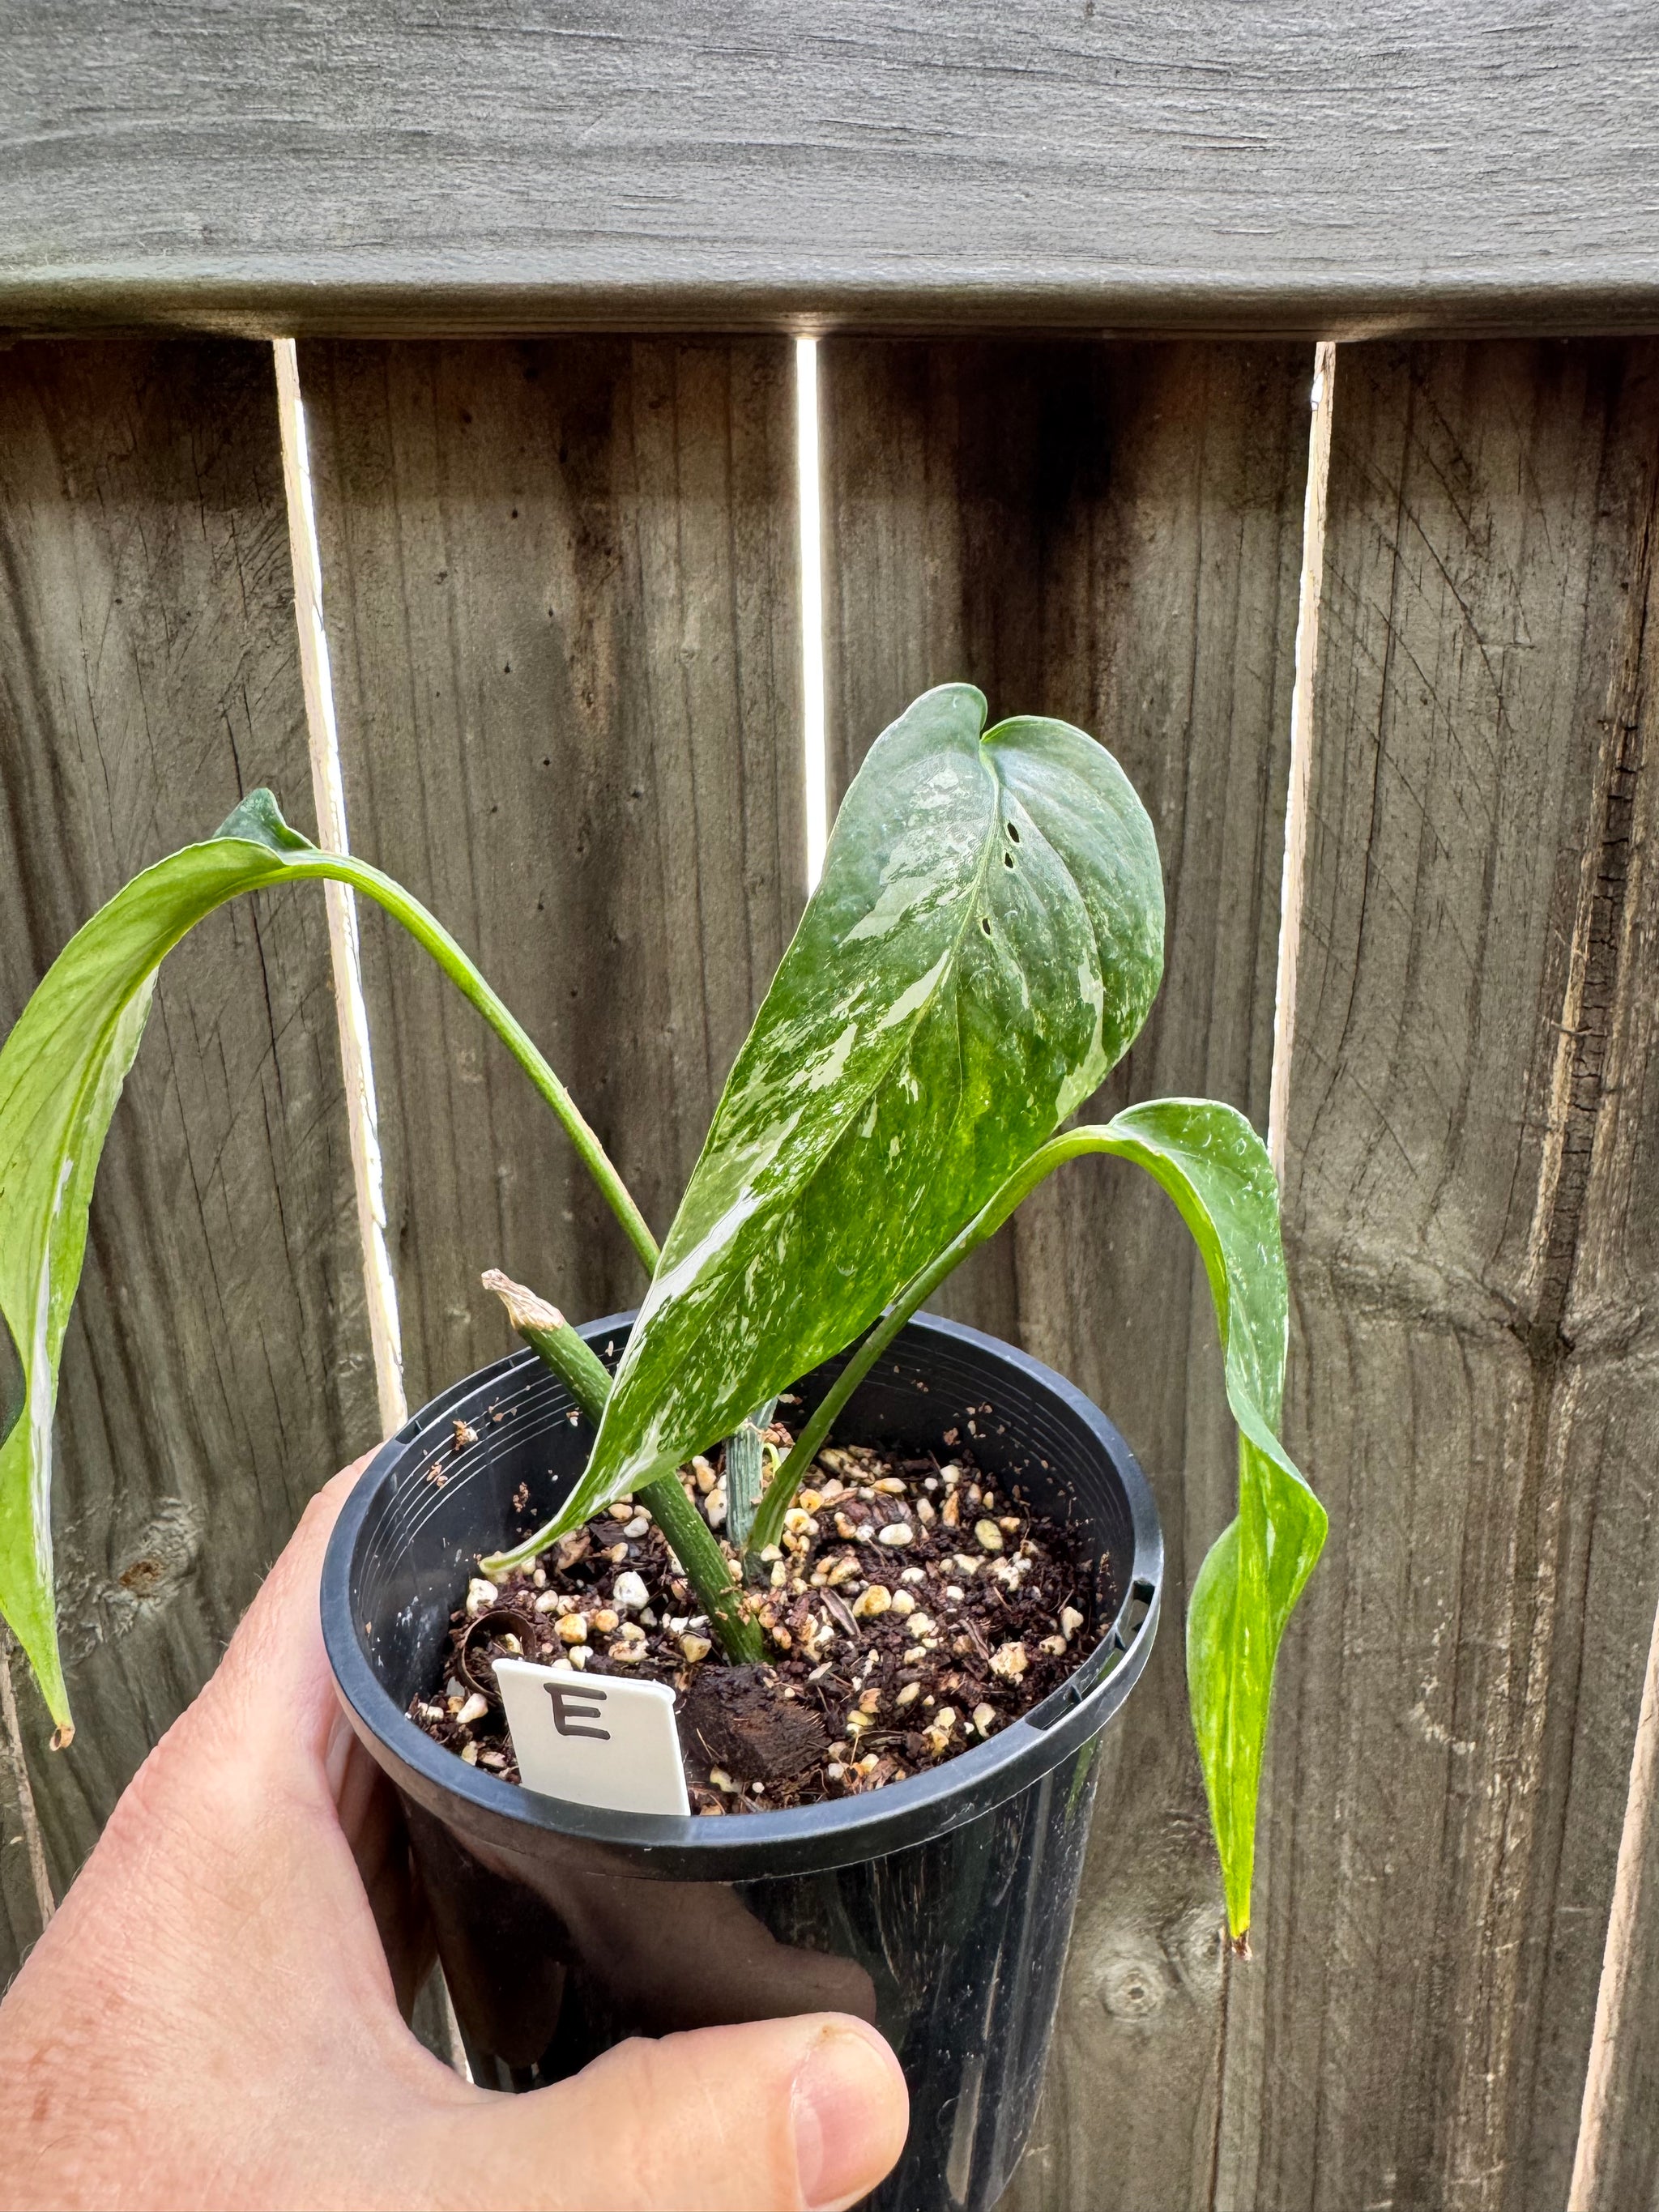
(849, 2117)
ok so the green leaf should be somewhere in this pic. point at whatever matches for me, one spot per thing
(259, 819)
(1216, 1169)
(985, 942)
(61, 1073)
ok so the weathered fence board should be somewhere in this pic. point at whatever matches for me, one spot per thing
(1112, 535)
(561, 585)
(23, 1873)
(1609, 1156)
(562, 595)
(1198, 166)
(1470, 1203)
(217, 1369)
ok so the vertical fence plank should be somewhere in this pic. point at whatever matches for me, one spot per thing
(1112, 536)
(561, 587)
(1470, 1204)
(1616, 2159)
(217, 1370)
(22, 1910)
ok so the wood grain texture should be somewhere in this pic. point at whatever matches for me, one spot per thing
(216, 1370)
(1111, 535)
(25, 1888)
(1470, 1208)
(364, 165)
(561, 585)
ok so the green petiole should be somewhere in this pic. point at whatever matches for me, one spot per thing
(685, 1532)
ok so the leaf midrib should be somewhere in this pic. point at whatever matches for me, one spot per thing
(991, 763)
(948, 973)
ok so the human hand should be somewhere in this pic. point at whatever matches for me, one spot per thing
(212, 2019)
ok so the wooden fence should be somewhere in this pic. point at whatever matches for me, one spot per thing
(561, 602)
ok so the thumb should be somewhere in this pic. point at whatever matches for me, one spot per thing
(801, 2115)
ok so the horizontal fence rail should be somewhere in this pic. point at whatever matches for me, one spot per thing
(1322, 167)
(561, 596)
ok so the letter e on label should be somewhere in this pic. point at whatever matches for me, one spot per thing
(594, 1739)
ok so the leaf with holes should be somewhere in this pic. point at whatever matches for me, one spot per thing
(985, 942)
(61, 1073)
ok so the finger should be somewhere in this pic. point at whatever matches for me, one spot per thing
(234, 1820)
(270, 1721)
(372, 1821)
(803, 2115)
(265, 1731)
(274, 1679)
(693, 1954)
(282, 1648)
(220, 1924)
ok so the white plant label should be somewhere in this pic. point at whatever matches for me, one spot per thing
(594, 1739)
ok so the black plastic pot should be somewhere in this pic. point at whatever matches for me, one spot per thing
(941, 1907)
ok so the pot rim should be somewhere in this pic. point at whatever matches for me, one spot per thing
(807, 1838)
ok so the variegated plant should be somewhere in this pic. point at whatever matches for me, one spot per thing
(983, 946)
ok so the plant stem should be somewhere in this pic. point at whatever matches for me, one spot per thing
(427, 930)
(1069, 1145)
(780, 1492)
(685, 1532)
(561, 1347)
(746, 1457)
(691, 1541)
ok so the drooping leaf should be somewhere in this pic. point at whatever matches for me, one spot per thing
(984, 944)
(61, 1073)
(1216, 1169)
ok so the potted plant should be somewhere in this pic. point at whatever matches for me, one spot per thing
(901, 1554)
